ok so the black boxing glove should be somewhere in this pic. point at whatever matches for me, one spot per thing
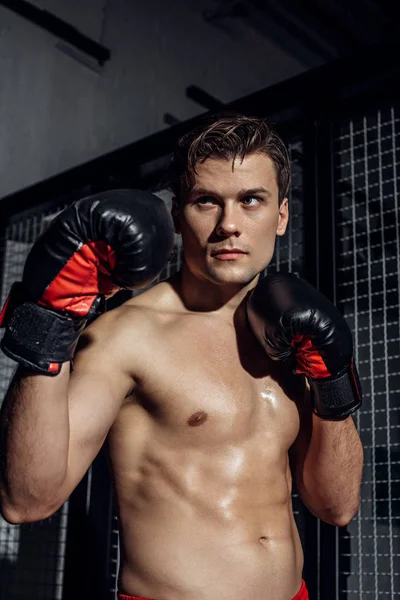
(292, 319)
(114, 240)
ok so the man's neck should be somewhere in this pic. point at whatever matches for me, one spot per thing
(201, 295)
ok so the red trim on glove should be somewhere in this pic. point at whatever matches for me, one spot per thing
(309, 360)
(86, 275)
(3, 311)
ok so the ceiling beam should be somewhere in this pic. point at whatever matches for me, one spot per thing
(59, 28)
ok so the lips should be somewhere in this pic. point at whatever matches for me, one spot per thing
(228, 251)
(228, 254)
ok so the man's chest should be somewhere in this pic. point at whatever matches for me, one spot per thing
(208, 384)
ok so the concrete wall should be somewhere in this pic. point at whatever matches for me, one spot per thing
(56, 113)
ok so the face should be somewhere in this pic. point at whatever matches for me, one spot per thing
(230, 219)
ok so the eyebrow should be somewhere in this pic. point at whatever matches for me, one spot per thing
(242, 192)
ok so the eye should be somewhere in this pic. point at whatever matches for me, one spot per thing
(205, 200)
(251, 200)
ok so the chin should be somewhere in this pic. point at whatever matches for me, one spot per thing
(231, 276)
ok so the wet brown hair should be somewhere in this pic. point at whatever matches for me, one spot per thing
(227, 136)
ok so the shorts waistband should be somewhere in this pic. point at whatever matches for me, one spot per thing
(302, 594)
(124, 597)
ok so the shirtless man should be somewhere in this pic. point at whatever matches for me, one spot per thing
(204, 431)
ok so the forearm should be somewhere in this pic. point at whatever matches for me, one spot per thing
(34, 428)
(332, 470)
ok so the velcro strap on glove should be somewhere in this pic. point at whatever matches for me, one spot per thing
(40, 338)
(337, 398)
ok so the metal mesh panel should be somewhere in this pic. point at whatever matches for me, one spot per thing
(368, 171)
(289, 250)
(31, 556)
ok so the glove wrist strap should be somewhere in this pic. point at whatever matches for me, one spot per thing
(40, 338)
(337, 398)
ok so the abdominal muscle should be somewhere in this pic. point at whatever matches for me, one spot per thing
(200, 524)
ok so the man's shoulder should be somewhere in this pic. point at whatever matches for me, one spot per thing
(161, 295)
(160, 303)
(144, 313)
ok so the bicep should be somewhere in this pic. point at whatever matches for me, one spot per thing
(99, 383)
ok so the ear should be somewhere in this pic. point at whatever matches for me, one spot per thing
(283, 217)
(175, 214)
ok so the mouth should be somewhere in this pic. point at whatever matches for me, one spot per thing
(228, 254)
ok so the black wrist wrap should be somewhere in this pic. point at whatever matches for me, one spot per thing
(337, 398)
(40, 338)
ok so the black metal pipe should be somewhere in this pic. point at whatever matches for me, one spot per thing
(200, 96)
(59, 28)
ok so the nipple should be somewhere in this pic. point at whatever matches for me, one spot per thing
(198, 418)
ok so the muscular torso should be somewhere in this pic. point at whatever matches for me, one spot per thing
(199, 456)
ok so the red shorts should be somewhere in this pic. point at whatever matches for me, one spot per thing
(302, 594)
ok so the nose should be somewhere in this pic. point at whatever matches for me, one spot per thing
(229, 222)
